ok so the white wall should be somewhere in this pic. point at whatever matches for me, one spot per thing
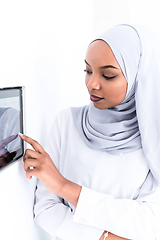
(111, 12)
(42, 47)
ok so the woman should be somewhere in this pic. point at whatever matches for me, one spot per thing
(104, 182)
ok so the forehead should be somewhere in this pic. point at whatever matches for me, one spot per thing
(100, 53)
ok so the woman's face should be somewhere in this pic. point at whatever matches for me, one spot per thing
(104, 79)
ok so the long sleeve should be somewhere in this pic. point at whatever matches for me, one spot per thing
(132, 219)
(57, 219)
(51, 213)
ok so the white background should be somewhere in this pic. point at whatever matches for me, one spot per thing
(42, 47)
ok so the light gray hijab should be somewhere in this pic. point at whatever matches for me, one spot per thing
(134, 123)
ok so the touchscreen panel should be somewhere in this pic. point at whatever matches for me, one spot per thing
(11, 123)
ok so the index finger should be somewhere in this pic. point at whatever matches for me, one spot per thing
(37, 147)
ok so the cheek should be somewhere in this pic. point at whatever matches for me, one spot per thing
(121, 90)
(124, 89)
(116, 92)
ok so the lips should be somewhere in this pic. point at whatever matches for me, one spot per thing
(94, 98)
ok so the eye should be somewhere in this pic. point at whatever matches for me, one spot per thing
(109, 78)
(87, 71)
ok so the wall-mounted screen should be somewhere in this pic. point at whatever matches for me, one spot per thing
(11, 123)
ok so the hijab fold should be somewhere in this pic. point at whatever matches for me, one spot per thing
(135, 123)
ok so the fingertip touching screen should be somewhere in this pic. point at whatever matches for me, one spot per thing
(11, 123)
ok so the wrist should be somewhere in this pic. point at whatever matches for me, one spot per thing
(104, 236)
(70, 192)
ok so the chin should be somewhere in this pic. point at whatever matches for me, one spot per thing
(100, 106)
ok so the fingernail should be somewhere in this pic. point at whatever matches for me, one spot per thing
(20, 134)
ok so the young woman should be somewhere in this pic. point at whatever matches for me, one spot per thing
(99, 176)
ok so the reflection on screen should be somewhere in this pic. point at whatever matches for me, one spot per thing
(11, 147)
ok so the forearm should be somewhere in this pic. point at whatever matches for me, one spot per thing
(70, 192)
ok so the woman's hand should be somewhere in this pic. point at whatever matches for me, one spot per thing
(38, 163)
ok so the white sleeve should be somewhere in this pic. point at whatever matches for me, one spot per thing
(132, 219)
(50, 211)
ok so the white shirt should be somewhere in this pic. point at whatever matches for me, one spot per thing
(115, 192)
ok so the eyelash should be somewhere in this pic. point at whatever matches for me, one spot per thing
(88, 72)
(108, 78)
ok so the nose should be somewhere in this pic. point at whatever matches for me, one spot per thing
(93, 83)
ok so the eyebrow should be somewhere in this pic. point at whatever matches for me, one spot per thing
(103, 67)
